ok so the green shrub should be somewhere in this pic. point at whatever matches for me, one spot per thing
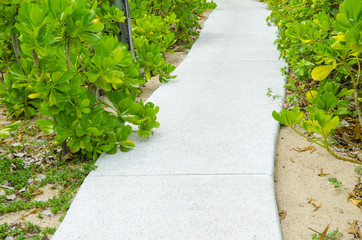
(322, 43)
(66, 54)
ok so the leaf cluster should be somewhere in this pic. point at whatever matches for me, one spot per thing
(322, 43)
(157, 25)
(63, 55)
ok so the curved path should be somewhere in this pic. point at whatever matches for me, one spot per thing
(207, 172)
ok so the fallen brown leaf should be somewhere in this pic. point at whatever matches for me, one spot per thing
(317, 204)
(20, 137)
(282, 215)
(308, 148)
(357, 131)
(322, 174)
(356, 202)
(356, 195)
(324, 233)
(69, 156)
(37, 192)
(355, 230)
(24, 215)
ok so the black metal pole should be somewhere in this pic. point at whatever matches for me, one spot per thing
(125, 35)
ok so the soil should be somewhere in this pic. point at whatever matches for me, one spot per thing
(301, 180)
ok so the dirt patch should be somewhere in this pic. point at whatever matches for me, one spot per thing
(305, 197)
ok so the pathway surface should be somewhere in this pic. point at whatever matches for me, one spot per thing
(207, 172)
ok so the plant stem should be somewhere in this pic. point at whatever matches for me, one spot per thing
(1, 76)
(67, 54)
(355, 83)
(14, 41)
(64, 144)
(92, 88)
(80, 59)
(309, 139)
(339, 157)
(69, 67)
(355, 86)
(36, 61)
(325, 145)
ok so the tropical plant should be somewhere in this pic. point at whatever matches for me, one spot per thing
(63, 57)
(321, 41)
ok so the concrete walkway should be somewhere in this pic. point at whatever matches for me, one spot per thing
(207, 172)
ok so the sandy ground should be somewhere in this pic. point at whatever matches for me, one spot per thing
(42, 217)
(301, 179)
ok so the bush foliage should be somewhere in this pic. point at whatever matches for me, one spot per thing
(57, 55)
(322, 42)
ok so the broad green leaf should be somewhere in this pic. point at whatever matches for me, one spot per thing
(2, 89)
(76, 146)
(148, 74)
(311, 95)
(45, 125)
(124, 106)
(19, 85)
(102, 83)
(92, 77)
(331, 125)
(326, 102)
(86, 110)
(289, 117)
(35, 16)
(61, 137)
(5, 131)
(4, 135)
(92, 131)
(128, 143)
(66, 76)
(107, 148)
(107, 62)
(353, 8)
(321, 123)
(96, 27)
(312, 126)
(52, 98)
(345, 92)
(34, 95)
(353, 41)
(123, 133)
(321, 72)
(340, 37)
(85, 103)
(80, 132)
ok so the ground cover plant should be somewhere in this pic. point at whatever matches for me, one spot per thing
(321, 42)
(62, 69)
